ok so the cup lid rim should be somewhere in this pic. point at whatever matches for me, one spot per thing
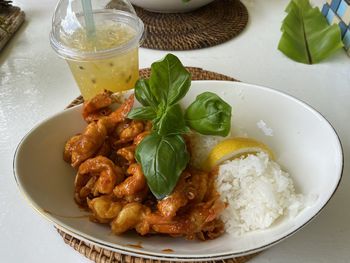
(67, 52)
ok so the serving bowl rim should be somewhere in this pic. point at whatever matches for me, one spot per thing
(160, 256)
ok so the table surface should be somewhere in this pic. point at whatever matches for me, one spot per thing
(35, 83)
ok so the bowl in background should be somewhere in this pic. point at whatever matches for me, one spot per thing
(170, 6)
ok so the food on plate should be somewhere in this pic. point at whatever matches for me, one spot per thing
(255, 188)
(257, 192)
(92, 140)
(135, 167)
(234, 147)
(114, 188)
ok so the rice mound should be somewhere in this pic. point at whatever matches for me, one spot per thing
(257, 192)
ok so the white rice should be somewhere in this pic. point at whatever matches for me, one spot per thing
(257, 192)
(255, 188)
(264, 128)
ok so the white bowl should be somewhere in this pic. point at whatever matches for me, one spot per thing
(170, 6)
(304, 142)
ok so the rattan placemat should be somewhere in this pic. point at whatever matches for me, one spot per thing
(102, 255)
(11, 18)
(208, 26)
(197, 74)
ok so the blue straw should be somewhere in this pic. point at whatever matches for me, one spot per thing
(89, 19)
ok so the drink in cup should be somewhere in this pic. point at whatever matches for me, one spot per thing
(102, 54)
(117, 72)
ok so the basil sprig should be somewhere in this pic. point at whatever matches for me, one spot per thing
(209, 115)
(163, 154)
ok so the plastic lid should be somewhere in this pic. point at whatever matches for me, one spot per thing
(73, 15)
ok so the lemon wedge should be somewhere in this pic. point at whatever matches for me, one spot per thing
(232, 148)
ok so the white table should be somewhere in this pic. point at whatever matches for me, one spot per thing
(35, 83)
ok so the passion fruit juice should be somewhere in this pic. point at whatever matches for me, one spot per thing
(116, 73)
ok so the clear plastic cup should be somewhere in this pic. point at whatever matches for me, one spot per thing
(101, 47)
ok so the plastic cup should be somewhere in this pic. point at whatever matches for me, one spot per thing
(105, 58)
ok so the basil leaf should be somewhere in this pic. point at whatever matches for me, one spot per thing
(169, 81)
(163, 154)
(142, 113)
(163, 159)
(209, 115)
(307, 37)
(172, 121)
(144, 95)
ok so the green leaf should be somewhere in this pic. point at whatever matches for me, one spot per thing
(163, 154)
(144, 94)
(209, 115)
(169, 81)
(172, 121)
(142, 113)
(163, 159)
(307, 37)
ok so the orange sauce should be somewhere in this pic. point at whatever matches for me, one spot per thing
(167, 250)
(138, 245)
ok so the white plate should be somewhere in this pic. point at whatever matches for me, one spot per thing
(304, 142)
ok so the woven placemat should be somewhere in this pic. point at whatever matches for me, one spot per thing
(208, 26)
(11, 18)
(102, 255)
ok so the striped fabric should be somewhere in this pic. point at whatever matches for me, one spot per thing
(343, 11)
(338, 12)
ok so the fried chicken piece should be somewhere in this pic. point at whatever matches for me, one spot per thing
(105, 149)
(69, 148)
(129, 133)
(97, 107)
(191, 188)
(141, 136)
(177, 199)
(212, 192)
(196, 220)
(132, 216)
(211, 230)
(138, 197)
(128, 153)
(133, 184)
(121, 113)
(88, 143)
(118, 116)
(126, 132)
(104, 208)
(120, 127)
(96, 133)
(96, 176)
(199, 185)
